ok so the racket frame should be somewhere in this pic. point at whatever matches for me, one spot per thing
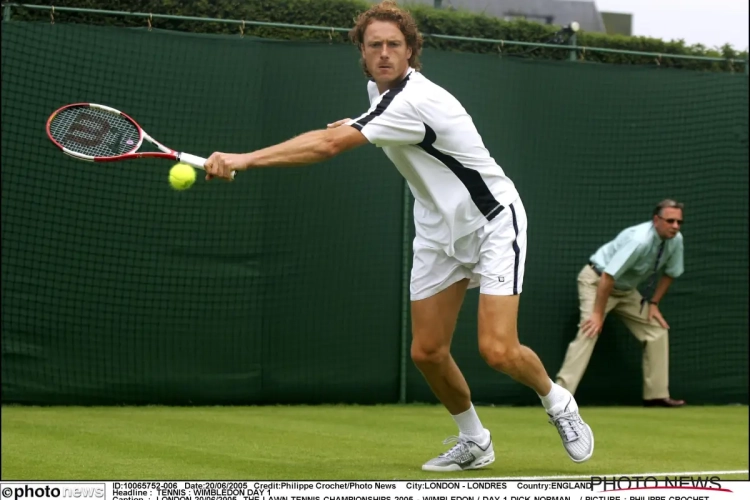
(166, 153)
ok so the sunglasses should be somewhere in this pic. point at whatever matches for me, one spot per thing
(671, 221)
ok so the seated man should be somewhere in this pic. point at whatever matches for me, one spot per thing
(609, 283)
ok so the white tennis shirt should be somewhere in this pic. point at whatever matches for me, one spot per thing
(431, 139)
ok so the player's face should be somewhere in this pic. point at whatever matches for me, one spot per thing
(668, 223)
(385, 52)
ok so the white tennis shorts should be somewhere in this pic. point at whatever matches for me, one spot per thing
(493, 258)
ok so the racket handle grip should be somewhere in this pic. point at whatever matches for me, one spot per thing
(195, 161)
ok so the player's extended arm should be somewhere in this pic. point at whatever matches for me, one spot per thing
(311, 147)
(307, 148)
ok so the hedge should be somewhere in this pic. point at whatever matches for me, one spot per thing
(341, 13)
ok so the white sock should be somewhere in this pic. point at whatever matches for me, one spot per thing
(556, 395)
(470, 426)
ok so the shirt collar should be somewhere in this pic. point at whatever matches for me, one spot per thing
(655, 236)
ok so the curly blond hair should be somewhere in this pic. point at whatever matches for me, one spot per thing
(388, 10)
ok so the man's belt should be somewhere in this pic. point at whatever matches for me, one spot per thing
(592, 266)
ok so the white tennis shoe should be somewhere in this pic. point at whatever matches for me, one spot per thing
(464, 455)
(577, 437)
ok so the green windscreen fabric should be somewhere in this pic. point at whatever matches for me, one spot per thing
(592, 149)
(286, 286)
(116, 288)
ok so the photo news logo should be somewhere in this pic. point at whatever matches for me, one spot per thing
(15, 491)
(625, 483)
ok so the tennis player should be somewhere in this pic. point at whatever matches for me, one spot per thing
(470, 229)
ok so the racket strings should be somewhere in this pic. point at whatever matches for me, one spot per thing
(94, 132)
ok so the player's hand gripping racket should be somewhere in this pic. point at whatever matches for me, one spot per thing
(93, 132)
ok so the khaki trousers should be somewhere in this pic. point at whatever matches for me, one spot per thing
(627, 305)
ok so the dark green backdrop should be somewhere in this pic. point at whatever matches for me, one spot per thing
(287, 285)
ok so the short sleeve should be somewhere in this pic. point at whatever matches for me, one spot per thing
(623, 259)
(675, 265)
(391, 121)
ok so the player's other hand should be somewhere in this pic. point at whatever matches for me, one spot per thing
(592, 326)
(655, 313)
(338, 123)
(222, 165)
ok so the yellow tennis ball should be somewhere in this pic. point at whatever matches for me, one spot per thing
(181, 176)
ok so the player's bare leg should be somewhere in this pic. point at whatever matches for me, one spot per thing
(501, 349)
(433, 324)
(499, 345)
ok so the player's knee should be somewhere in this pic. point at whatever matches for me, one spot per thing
(429, 354)
(501, 356)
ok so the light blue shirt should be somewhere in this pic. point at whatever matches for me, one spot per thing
(631, 257)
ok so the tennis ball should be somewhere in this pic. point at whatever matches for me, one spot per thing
(181, 176)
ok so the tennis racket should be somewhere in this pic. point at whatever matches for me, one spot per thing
(97, 133)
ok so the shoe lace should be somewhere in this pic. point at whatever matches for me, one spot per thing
(568, 424)
(457, 450)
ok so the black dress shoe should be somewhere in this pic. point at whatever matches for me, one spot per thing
(663, 402)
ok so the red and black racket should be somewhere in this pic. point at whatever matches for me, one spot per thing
(93, 132)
